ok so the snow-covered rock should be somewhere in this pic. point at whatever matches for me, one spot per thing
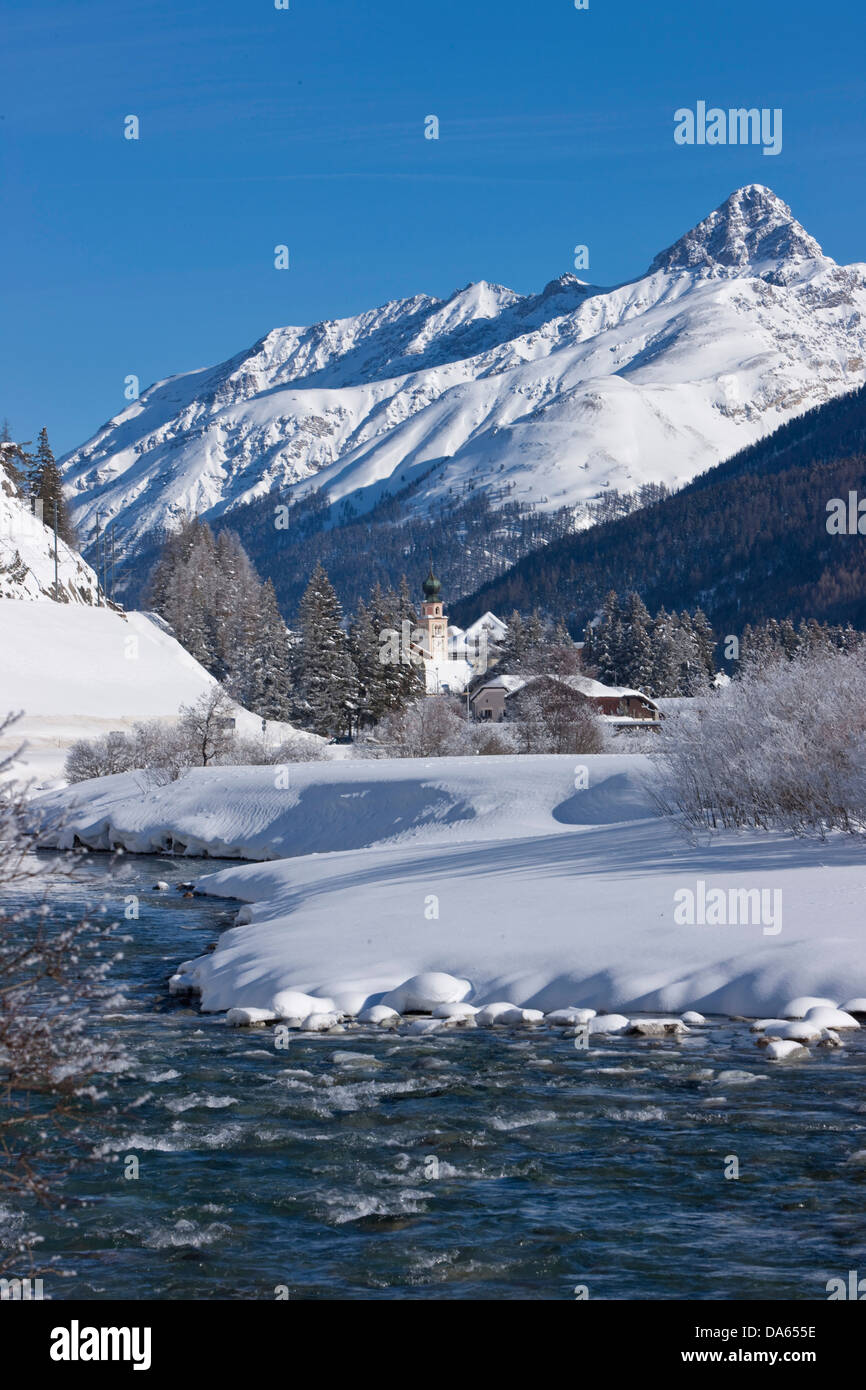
(320, 1022)
(292, 1003)
(240, 1018)
(855, 1006)
(518, 1017)
(799, 1007)
(831, 1018)
(565, 1018)
(349, 1002)
(378, 1013)
(423, 992)
(693, 1019)
(425, 1025)
(181, 983)
(608, 1023)
(452, 1011)
(780, 1050)
(799, 1030)
(493, 1013)
(657, 1028)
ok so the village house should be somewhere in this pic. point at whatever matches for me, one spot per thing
(500, 698)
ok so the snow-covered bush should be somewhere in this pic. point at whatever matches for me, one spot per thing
(783, 746)
(428, 728)
(492, 740)
(555, 720)
(100, 757)
(254, 752)
(550, 717)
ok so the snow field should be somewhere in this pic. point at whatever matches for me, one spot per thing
(495, 875)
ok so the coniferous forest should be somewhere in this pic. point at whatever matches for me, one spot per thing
(746, 541)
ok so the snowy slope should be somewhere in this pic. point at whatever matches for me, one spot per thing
(92, 661)
(76, 671)
(735, 328)
(544, 895)
(27, 557)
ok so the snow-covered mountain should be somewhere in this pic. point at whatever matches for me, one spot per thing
(738, 326)
(27, 556)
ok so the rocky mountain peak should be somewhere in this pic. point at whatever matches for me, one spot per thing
(752, 228)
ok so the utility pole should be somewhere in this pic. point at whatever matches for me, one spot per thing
(56, 576)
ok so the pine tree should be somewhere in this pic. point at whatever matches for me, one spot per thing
(207, 589)
(705, 639)
(326, 681)
(514, 644)
(411, 679)
(636, 656)
(364, 643)
(14, 459)
(667, 653)
(604, 642)
(260, 675)
(46, 484)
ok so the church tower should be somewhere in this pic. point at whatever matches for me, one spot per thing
(434, 620)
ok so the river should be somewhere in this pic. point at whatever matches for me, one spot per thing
(468, 1164)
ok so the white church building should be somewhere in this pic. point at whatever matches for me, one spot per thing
(453, 655)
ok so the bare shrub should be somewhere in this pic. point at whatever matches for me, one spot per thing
(432, 727)
(492, 740)
(780, 747)
(254, 752)
(204, 736)
(550, 717)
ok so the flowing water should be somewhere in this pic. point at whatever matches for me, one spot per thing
(469, 1164)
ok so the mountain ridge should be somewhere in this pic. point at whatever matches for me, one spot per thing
(549, 397)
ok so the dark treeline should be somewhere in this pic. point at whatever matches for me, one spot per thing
(472, 537)
(746, 541)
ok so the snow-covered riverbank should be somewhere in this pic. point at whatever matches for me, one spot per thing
(507, 872)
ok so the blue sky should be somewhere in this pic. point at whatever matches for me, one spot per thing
(306, 127)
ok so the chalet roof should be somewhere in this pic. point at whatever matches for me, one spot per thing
(593, 689)
(507, 683)
(487, 620)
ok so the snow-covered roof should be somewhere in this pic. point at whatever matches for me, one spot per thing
(491, 622)
(593, 689)
(587, 686)
(456, 675)
(503, 682)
